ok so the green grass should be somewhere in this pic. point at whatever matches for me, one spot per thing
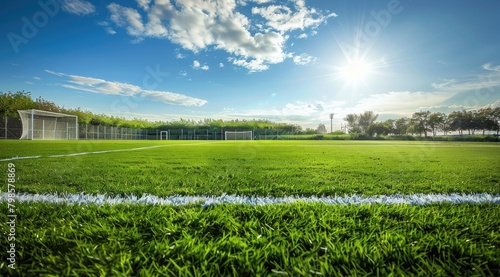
(229, 240)
(225, 240)
(260, 168)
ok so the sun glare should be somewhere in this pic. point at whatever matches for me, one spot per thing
(355, 71)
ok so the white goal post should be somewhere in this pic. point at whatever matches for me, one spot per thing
(164, 135)
(242, 135)
(39, 124)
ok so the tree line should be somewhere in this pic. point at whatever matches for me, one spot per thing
(11, 102)
(426, 123)
(421, 123)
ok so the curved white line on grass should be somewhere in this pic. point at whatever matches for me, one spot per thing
(99, 152)
(177, 200)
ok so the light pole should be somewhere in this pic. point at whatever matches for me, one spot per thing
(331, 122)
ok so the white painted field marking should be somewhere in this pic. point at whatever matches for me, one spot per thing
(99, 152)
(179, 200)
(20, 158)
(105, 151)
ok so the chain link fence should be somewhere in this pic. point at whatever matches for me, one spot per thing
(12, 128)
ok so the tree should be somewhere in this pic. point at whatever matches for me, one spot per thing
(45, 105)
(321, 129)
(484, 119)
(83, 116)
(11, 102)
(420, 123)
(495, 116)
(468, 121)
(401, 126)
(352, 123)
(455, 122)
(378, 129)
(436, 122)
(366, 119)
(390, 125)
(309, 131)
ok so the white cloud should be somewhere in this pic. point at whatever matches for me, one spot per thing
(262, 1)
(37, 78)
(217, 24)
(101, 86)
(284, 18)
(128, 18)
(401, 102)
(78, 7)
(144, 4)
(106, 26)
(302, 36)
(487, 80)
(197, 65)
(221, 65)
(252, 65)
(110, 30)
(303, 59)
(180, 56)
(297, 112)
(489, 67)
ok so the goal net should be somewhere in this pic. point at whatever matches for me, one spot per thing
(39, 124)
(244, 135)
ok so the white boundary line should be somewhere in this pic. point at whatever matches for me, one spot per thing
(100, 152)
(179, 200)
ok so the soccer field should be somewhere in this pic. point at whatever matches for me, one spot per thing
(210, 231)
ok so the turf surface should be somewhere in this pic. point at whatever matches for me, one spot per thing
(259, 168)
(288, 239)
(244, 240)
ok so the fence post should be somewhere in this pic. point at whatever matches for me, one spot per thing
(6, 122)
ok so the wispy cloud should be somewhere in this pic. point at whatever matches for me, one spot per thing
(489, 79)
(107, 28)
(78, 7)
(294, 17)
(305, 113)
(311, 113)
(401, 102)
(303, 59)
(205, 25)
(96, 85)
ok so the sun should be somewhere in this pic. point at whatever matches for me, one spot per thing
(355, 71)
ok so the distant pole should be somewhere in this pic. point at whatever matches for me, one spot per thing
(331, 122)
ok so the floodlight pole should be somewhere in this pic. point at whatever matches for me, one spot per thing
(331, 122)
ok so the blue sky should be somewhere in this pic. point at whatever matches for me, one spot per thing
(290, 61)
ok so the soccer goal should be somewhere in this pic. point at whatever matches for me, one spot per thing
(243, 135)
(164, 135)
(39, 124)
